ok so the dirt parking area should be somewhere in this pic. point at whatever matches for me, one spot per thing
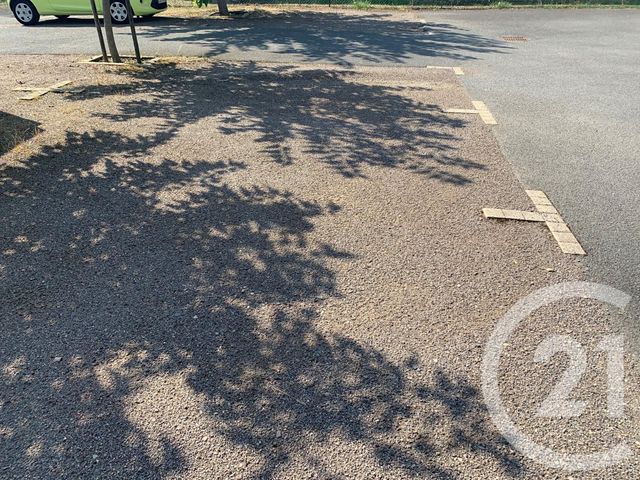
(244, 270)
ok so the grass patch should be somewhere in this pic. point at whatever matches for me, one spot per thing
(501, 5)
(15, 130)
(361, 5)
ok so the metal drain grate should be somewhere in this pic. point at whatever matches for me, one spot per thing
(514, 38)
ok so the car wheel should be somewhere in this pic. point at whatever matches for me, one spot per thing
(118, 11)
(25, 12)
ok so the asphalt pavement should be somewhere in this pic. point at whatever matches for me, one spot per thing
(567, 99)
(567, 102)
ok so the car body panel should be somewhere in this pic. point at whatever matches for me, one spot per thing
(83, 7)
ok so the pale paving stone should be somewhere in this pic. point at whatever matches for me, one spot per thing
(492, 213)
(513, 214)
(459, 110)
(572, 248)
(535, 195)
(558, 227)
(546, 213)
(484, 112)
(40, 91)
(487, 117)
(456, 70)
(480, 108)
(564, 237)
(552, 217)
(532, 216)
(546, 208)
(541, 201)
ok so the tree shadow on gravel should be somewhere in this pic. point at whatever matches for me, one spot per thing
(339, 38)
(120, 268)
(333, 115)
(14, 130)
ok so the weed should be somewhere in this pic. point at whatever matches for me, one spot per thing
(361, 4)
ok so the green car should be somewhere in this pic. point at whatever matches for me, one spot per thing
(28, 12)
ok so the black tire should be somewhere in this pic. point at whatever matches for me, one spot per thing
(25, 12)
(118, 10)
(61, 17)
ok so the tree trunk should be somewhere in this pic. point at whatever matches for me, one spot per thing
(222, 8)
(108, 31)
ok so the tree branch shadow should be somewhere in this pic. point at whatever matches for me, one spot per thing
(326, 37)
(345, 123)
(117, 266)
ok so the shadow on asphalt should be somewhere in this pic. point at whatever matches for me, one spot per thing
(103, 289)
(318, 36)
(87, 21)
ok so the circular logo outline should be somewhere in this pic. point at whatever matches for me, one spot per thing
(491, 362)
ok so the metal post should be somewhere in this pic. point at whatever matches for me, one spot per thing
(136, 47)
(96, 20)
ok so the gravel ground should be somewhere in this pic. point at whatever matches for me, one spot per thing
(241, 270)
